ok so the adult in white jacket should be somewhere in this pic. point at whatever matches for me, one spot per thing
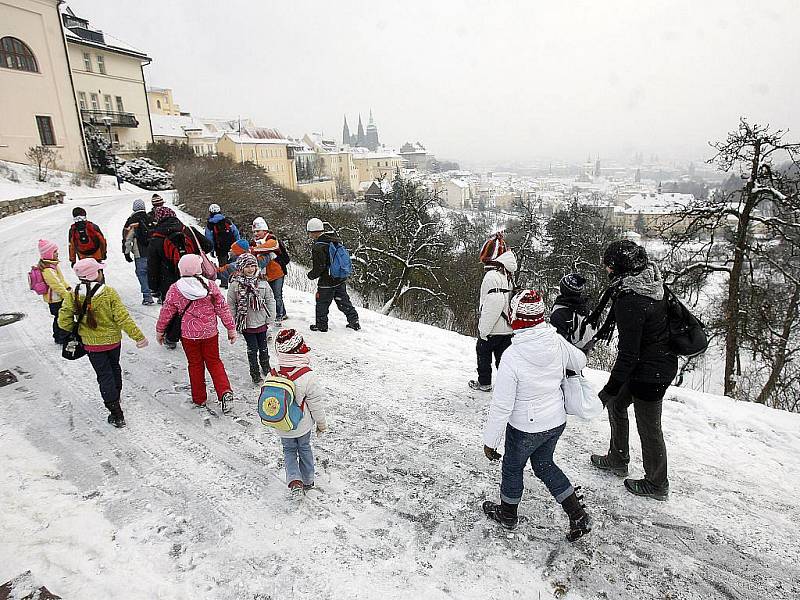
(494, 330)
(528, 407)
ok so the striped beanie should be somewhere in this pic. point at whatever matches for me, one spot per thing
(527, 309)
(246, 260)
(493, 247)
(289, 341)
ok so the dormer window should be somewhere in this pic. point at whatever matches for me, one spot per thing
(15, 54)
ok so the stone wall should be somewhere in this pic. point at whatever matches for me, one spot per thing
(11, 207)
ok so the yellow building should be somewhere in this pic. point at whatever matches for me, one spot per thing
(376, 165)
(109, 85)
(160, 102)
(36, 93)
(273, 154)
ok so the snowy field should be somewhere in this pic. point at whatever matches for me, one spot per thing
(179, 506)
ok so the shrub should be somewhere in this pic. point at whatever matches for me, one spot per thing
(145, 173)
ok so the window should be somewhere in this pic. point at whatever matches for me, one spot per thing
(120, 106)
(87, 62)
(158, 103)
(15, 54)
(95, 102)
(45, 125)
(107, 102)
(101, 64)
(82, 100)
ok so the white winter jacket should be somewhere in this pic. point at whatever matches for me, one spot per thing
(527, 391)
(494, 304)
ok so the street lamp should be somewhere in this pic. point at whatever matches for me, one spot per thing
(107, 120)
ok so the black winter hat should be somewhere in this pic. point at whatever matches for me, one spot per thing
(572, 284)
(78, 212)
(625, 257)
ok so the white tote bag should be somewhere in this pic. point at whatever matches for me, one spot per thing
(580, 398)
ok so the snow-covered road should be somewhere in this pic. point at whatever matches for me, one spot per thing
(177, 506)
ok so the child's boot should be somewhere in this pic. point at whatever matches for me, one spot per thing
(263, 358)
(255, 374)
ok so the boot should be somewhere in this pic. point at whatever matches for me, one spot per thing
(263, 359)
(115, 417)
(480, 387)
(503, 513)
(255, 373)
(296, 489)
(580, 523)
(226, 402)
(320, 328)
(642, 487)
(604, 462)
(355, 326)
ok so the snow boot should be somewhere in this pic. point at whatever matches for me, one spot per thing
(263, 359)
(642, 487)
(226, 402)
(604, 462)
(115, 417)
(503, 513)
(255, 371)
(147, 302)
(480, 387)
(308, 486)
(295, 489)
(170, 345)
(354, 326)
(315, 327)
(580, 523)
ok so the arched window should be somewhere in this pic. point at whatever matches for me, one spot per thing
(15, 54)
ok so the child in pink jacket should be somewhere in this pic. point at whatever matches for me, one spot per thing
(199, 302)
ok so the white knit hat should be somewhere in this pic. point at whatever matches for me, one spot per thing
(259, 224)
(314, 225)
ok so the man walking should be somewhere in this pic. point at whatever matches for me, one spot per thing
(135, 238)
(332, 285)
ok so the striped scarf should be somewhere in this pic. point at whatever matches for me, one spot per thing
(248, 297)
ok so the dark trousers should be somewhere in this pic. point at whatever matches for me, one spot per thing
(537, 448)
(326, 295)
(648, 422)
(109, 377)
(58, 333)
(222, 259)
(486, 349)
(257, 353)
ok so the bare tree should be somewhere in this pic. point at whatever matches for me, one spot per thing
(741, 230)
(44, 158)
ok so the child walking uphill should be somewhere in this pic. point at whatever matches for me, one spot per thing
(57, 286)
(104, 319)
(198, 303)
(297, 454)
(253, 307)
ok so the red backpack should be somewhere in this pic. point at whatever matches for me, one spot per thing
(87, 239)
(176, 244)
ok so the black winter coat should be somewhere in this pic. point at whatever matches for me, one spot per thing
(162, 272)
(142, 231)
(644, 360)
(321, 261)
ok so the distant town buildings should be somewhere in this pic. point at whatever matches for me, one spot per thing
(361, 139)
(161, 103)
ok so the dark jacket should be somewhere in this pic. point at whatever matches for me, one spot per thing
(141, 223)
(321, 260)
(568, 305)
(644, 360)
(162, 270)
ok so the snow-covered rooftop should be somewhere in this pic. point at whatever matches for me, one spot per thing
(654, 203)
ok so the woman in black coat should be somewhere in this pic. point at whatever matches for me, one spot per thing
(644, 368)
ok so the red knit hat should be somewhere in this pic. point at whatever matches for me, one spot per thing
(289, 341)
(527, 309)
(493, 247)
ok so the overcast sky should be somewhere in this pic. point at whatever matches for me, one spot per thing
(478, 81)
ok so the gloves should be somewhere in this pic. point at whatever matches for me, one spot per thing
(160, 339)
(491, 453)
(128, 257)
(142, 343)
(321, 428)
(231, 335)
(605, 397)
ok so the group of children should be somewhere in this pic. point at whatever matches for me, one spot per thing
(192, 305)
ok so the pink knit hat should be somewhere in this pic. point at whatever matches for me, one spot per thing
(189, 265)
(87, 268)
(47, 249)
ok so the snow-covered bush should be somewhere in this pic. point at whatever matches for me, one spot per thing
(144, 173)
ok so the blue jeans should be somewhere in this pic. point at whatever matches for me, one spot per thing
(538, 448)
(277, 291)
(141, 275)
(298, 459)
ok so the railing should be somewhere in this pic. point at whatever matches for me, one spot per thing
(118, 119)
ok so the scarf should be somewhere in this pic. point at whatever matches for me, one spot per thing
(647, 282)
(248, 297)
(293, 361)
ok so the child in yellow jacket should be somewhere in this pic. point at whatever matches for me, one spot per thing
(57, 286)
(100, 328)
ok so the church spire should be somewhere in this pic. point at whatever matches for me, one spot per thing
(361, 139)
(345, 133)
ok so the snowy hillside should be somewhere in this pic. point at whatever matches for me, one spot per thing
(178, 506)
